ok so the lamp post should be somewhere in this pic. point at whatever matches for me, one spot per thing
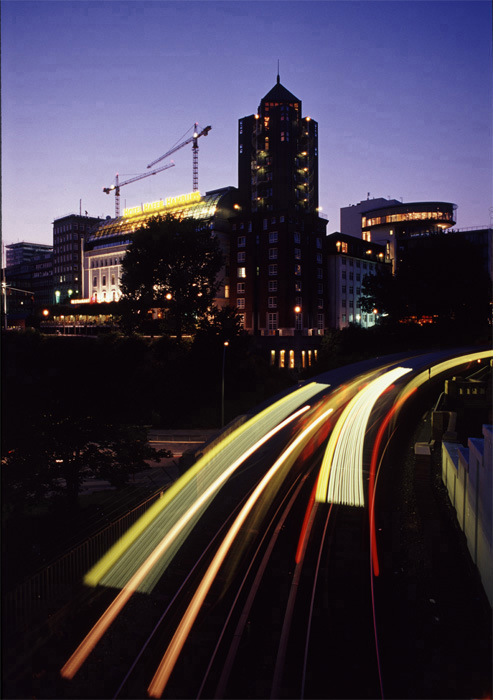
(225, 345)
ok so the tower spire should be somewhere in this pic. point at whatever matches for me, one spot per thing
(278, 76)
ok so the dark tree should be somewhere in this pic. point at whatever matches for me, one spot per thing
(58, 453)
(443, 278)
(173, 265)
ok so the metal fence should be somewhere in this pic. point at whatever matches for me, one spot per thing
(52, 587)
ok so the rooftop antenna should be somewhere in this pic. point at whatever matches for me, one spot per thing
(278, 76)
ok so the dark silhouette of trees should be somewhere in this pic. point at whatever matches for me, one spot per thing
(442, 279)
(58, 453)
(173, 266)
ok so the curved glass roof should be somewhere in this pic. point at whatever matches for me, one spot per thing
(202, 210)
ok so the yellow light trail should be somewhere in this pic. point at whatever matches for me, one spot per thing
(107, 618)
(341, 473)
(183, 492)
(173, 651)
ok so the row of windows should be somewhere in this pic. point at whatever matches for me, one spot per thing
(67, 257)
(307, 357)
(272, 287)
(366, 318)
(272, 269)
(273, 252)
(71, 227)
(104, 262)
(408, 216)
(103, 281)
(351, 275)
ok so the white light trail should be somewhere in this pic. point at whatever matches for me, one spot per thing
(341, 473)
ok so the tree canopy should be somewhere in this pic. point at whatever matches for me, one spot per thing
(172, 265)
(443, 280)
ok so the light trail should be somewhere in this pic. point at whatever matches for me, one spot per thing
(341, 473)
(122, 560)
(173, 651)
(107, 618)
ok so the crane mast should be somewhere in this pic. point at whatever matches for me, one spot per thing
(195, 152)
(118, 184)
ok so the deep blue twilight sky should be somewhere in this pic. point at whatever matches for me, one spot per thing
(401, 91)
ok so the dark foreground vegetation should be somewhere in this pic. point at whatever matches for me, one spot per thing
(77, 407)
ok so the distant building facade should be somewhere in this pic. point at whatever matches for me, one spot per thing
(349, 261)
(18, 253)
(350, 217)
(392, 223)
(68, 240)
(29, 288)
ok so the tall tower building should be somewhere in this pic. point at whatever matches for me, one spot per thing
(277, 268)
(278, 155)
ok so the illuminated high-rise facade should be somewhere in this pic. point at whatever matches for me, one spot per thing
(278, 156)
(277, 268)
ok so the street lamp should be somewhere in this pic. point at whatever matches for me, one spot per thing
(225, 345)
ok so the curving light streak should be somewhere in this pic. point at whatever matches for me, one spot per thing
(161, 677)
(123, 559)
(437, 369)
(341, 473)
(107, 618)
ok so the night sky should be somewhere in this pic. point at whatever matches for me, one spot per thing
(401, 92)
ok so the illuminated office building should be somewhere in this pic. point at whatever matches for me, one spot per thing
(349, 261)
(68, 240)
(277, 270)
(392, 223)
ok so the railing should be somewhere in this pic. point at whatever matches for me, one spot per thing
(47, 590)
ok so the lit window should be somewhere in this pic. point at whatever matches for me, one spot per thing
(282, 358)
(241, 272)
(226, 291)
(291, 359)
(297, 269)
(272, 357)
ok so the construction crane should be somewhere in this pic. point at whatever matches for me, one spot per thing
(195, 152)
(118, 184)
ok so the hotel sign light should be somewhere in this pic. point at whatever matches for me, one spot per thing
(168, 203)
